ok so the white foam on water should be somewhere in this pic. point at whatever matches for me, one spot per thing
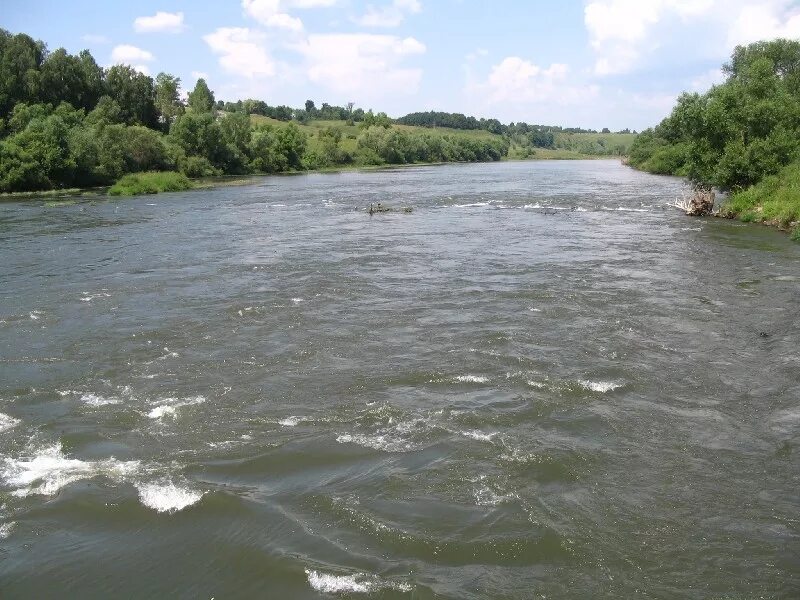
(46, 470)
(95, 400)
(625, 209)
(167, 497)
(536, 384)
(479, 435)
(357, 583)
(377, 441)
(471, 205)
(35, 315)
(297, 300)
(534, 309)
(486, 496)
(63, 393)
(171, 406)
(6, 529)
(87, 297)
(292, 421)
(600, 386)
(7, 422)
(471, 379)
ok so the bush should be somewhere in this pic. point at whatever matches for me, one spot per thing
(198, 166)
(776, 199)
(150, 183)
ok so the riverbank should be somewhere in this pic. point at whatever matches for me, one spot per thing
(774, 201)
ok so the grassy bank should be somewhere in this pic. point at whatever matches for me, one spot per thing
(775, 200)
(153, 182)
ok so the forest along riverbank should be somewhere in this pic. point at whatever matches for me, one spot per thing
(544, 378)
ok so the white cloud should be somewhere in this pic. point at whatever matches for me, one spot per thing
(478, 53)
(365, 66)
(268, 13)
(242, 51)
(160, 22)
(127, 54)
(274, 13)
(91, 38)
(762, 22)
(144, 69)
(703, 82)
(518, 81)
(200, 75)
(390, 15)
(623, 33)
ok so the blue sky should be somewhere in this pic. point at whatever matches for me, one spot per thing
(589, 63)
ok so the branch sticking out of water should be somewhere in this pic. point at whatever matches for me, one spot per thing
(697, 203)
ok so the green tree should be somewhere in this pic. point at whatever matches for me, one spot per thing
(21, 58)
(198, 134)
(168, 103)
(135, 95)
(201, 99)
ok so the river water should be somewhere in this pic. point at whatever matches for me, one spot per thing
(541, 383)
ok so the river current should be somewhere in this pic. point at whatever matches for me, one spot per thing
(543, 382)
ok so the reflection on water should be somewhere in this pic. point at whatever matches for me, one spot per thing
(542, 381)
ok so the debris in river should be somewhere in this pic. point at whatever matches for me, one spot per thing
(380, 208)
(699, 203)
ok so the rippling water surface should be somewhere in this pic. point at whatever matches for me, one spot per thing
(543, 382)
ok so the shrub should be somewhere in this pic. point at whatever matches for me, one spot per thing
(153, 182)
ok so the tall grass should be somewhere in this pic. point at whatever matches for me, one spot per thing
(153, 182)
(776, 199)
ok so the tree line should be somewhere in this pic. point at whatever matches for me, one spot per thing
(737, 133)
(67, 122)
(541, 134)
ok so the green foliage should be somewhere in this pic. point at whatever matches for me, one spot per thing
(394, 146)
(134, 93)
(21, 60)
(276, 149)
(73, 79)
(167, 101)
(372, 120)
(65, 121)
(775, 199)
(150, 183)
(739, 132)
(201, 99)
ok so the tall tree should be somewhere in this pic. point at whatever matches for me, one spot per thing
(168, 103)
(21, 57)
(134, 93)
(201, 99)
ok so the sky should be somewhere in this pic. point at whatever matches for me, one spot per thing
(576, 63)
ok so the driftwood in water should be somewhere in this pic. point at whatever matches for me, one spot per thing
(698, 203)
(380, 208)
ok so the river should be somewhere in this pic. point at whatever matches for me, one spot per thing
(543, 382)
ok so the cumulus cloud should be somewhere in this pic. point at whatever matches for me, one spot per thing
(274, 13)
(762, 22)
(390, 15)
(623, 33)
(160, 22)
(703, 82)
(366, 66)
(242, 51)
(129, 55)
(518, 81)
(92, 38)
